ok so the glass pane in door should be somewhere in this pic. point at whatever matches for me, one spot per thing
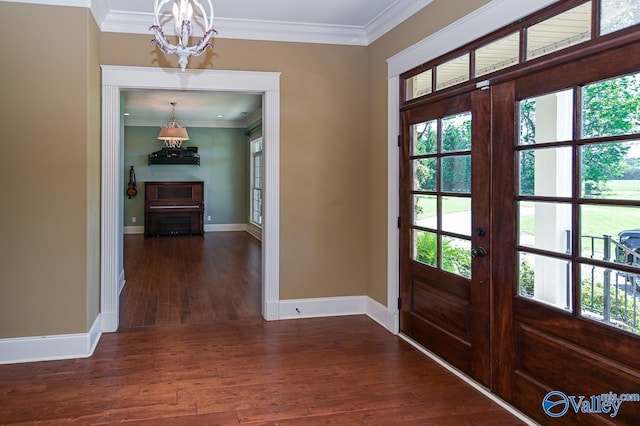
(425, 211)
(456, 256)
(456, 133)
(424, 138)
(456, 174)
(545, 226)
(425, 174)
(618, 14)
(545, 279)
(425, 247)
(610, 296)
(456, 215)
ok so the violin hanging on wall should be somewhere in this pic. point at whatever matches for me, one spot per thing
(132, 190)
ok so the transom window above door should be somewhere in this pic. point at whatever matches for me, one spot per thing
(559, 27)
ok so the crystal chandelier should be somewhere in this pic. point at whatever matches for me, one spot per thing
(173, 134)
(182, 12)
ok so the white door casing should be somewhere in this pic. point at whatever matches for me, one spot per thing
(118, 78)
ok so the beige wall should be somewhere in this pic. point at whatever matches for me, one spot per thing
(51, 131)
(333, 211)
(323, 168)
(93, 115)
(428, 21)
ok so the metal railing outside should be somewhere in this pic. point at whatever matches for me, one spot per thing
(607, 294)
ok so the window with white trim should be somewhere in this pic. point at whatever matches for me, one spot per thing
(257, 179)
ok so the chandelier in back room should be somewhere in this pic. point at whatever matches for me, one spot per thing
(183, 12)
(173, 133)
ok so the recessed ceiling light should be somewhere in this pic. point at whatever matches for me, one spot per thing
(126, 114)
(219, 116)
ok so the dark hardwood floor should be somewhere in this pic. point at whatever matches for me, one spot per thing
(200, 354)
(184, 280)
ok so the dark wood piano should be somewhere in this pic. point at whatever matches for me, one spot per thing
(173, 208)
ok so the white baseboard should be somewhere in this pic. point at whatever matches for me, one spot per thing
(271, 311)
(121, 282)
(382, 315)
(222, 227)
(322, 307)
(134, 229)
(49, 348)
(212, 227)
(95, 333)
(255, 231)
(337, 306)
(462, 376)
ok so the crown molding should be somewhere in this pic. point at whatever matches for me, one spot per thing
(226, 124)
(253, 118)
(118, 21)
(392, 17)
(247, 29)
(243, 123)
(99, 10)
(71, 3)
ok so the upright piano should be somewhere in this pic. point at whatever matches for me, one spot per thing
(173, 208)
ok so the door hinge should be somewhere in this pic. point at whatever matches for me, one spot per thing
(399, 222)
(399, 303)
(399, 140)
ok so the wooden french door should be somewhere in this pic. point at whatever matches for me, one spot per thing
(445, 235)
(518, 262)
(566, 329)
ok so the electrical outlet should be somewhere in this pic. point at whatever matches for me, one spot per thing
(133, 219)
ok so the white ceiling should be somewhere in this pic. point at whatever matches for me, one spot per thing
(193, 108)
(330, 12)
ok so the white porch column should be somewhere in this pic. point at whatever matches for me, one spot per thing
(553, 174)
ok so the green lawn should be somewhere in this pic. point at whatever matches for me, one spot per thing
(623, 189)
(450, 205)
(596, 220)
(604, 220)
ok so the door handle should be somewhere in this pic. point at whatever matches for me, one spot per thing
(479, 252)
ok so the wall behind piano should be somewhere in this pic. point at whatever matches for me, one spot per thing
(224, 168)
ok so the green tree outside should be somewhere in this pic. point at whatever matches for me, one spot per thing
(609, 108)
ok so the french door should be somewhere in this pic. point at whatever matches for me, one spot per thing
(520, 237)
(445, 234)
(567, 303)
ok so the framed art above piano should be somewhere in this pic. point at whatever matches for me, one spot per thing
(174, 208)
